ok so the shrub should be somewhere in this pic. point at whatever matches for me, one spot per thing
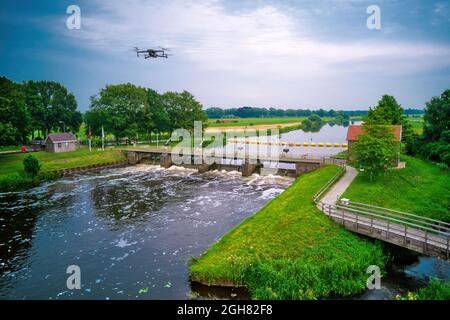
(31, 166)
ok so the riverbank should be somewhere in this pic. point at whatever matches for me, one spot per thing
(421, 188)
(54, 165)
(291, 250)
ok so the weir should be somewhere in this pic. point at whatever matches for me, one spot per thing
(247, 164)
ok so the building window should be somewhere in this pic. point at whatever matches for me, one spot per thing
(59, 144)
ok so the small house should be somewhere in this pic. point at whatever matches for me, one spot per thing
(355, 130)
(61, 142)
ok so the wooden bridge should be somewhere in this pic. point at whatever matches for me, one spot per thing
(421, 234)
(244, 162)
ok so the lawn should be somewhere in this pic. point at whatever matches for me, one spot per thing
(11, 167)
(291, 250)
(421, 188)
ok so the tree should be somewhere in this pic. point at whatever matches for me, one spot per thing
(183, 110)
(122, 109)
(14, 116)
(435, 144)
(159, 115)
(51, 107)
(31, 166)
(375, 150)
(389, 112)
(437, 117)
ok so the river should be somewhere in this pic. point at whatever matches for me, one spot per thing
(130, 230)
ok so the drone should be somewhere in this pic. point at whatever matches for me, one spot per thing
(152, 53)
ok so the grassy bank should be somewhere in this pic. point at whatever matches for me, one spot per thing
(436, 290)
(291, 250)
(13, 175)
(420, 188)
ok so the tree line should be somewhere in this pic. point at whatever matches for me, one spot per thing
(35, 108)
(253, 112)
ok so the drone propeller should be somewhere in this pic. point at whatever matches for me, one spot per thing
(165, 49)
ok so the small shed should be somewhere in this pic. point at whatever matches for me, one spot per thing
(355, 130)
(61, 142)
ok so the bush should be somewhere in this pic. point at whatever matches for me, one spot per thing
(31, 166)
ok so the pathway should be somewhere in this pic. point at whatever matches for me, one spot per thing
(340, 186)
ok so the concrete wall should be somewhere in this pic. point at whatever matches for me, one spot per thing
(58, 147)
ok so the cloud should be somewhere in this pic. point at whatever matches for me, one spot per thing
(266, 39)
(256, 55)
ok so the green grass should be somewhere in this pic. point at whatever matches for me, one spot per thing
(291, 250)
(237, 122)
(9, 148)
(13, 175)
(417, 124)
(421, 188)
(436, 290)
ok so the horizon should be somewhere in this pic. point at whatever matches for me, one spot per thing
(232, 54)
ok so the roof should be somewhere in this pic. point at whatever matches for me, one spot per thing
(61, 137)
(355, 130)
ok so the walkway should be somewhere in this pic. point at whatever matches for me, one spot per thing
(339, 187)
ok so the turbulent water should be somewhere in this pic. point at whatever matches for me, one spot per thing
(131, 230)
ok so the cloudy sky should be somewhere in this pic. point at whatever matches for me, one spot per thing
(288, 54)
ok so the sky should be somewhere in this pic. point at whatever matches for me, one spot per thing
(284, 54)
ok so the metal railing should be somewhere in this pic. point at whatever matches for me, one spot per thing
(328, 185)
(429, 232)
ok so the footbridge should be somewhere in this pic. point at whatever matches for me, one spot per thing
(417, 233)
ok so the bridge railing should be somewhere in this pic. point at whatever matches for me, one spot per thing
(434, 234)
(432, 224)
(328, 185)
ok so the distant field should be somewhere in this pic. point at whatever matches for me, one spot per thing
(417, 124)
(251, 121)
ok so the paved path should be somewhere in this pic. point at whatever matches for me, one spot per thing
(339, 187)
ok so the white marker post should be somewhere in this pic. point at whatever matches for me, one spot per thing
(103, 139)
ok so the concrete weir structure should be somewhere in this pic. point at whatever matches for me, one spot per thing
(247, 164)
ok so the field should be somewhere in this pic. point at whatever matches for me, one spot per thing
(417, 124)
(11, 167)
(242, 122)
(421, 188)
(291, 250)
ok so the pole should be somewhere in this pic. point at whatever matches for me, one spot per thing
(103, 139)
(90, 137)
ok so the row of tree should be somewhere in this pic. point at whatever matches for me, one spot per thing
(252, 112)
(35, 107)
(126, 110)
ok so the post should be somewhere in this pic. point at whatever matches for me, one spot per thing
(425, 244)
(387, 232)
(404, 240)
(103, 139)
(357, 221)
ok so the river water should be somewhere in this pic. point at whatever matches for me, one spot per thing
(130, 230)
